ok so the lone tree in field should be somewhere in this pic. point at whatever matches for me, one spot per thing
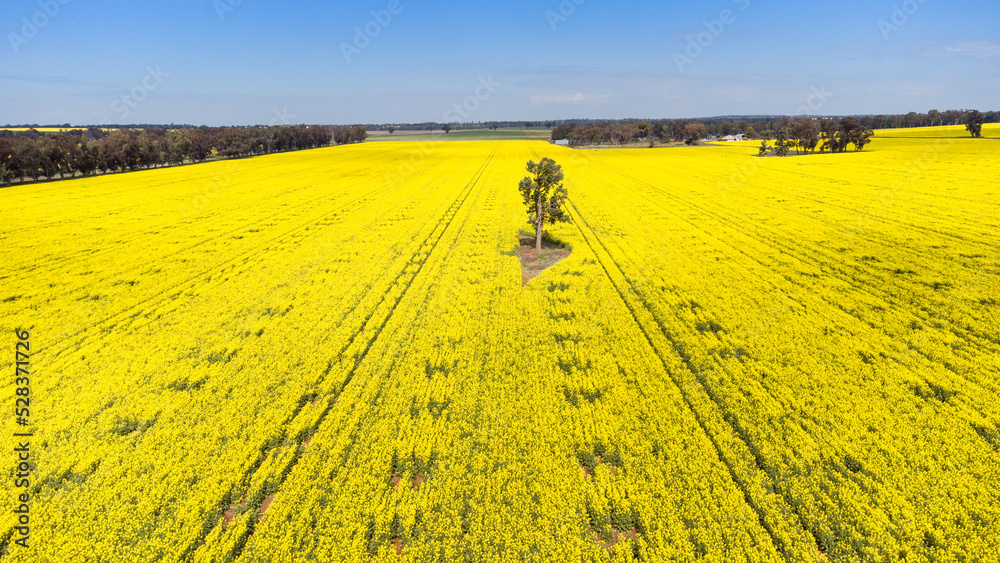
(543, 195)
(447, 128)
(974, 122)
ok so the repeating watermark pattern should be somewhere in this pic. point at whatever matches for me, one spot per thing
(220, 180)
(484, 91)
(976, 291)
(363, 36)
(702, 40)
(885, 202)
(563, 12)
(486, 87)
(223, 7)
(740, 174)
(814, 100)
(32, 26)
(901, 14)
(123, 106)
(409, 165)
(281, 117)
(210, 190)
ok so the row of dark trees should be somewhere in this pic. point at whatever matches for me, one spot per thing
(663, 131)
(930, 119)
(682, 130)
(611, 133)
(90, 151)
(806, 135)
(471, 125)
(717, 126)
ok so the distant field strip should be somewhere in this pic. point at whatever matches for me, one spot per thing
(329, 355)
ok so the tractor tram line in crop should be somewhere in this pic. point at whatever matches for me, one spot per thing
(980, 339)
(874, 289)
(872, 202)
(347, 431)
(786, 535)
(358, 371)
(205, 172)
(366, 336)
(47, 264)
(607, 180)
(830, 266)
(231, 265)
(438, 230)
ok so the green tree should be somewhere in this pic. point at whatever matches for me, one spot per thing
(805, 134)
(544, 195)
(781, 144)
(358, 134)
(661, 130)
(391, 130)
(643, 129)
(974, 122)
(829, 129)
(562, 132)
(179, 143)
(750, 133)
(447, 128)
(853, 132)
(694, 132)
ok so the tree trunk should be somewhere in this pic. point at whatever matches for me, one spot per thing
(539, 224)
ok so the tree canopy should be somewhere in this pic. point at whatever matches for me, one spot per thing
(544, 195)
(974, 122)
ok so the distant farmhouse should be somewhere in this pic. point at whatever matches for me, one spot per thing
(731, 138)
(563, 142)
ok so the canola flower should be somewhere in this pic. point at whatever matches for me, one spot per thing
(302, 358)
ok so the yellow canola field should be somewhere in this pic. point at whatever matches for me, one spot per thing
(990, 130)
(50, 129)
(329, 356)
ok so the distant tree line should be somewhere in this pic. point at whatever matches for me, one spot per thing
(805, 133)
(469, 126)
(715, 126)
(85, 152)
(930, 119)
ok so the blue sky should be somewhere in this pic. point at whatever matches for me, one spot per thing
(232, 62)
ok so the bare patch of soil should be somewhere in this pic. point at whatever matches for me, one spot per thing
(616, 537)
(264, 506)
(234, 509)
(611, 467)
(534, 262)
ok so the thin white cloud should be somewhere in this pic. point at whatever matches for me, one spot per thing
(577, 98)
(976, 49)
